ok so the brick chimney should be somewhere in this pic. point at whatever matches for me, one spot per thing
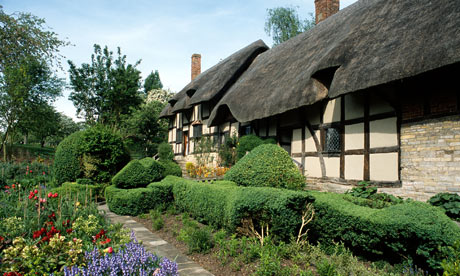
(196, 65)
(326, 8)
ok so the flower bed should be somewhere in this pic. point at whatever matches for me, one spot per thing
(45, 231)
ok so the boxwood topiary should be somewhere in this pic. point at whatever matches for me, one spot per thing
(412, 230)
(171, 168)
(96, 153)
(267, 165)
(139, 173)
(67, 159)
(133, 202)
(103, 153)
(222, 204)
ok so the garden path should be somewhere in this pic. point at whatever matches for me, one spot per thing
(156, 245)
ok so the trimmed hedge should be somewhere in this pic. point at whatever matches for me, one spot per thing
(267, 166)
(412, 229)
(67, 159)
(225, 205)
(133, 202)
(171, 168)
(139, 173)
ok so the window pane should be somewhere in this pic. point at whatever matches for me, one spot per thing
(332, 140)
(197, 130)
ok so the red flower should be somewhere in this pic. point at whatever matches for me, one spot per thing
(43, 173)
(35, 191)
(55, 195)
(106, 241)
(52, 216)
(31, 196)
(30, 171)
(110, 250)
(7, 187)
(69, 230)
(2, 238)
(50, 195)
(14, 186)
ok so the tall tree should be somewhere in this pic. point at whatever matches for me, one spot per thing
(107, 88)
(152, 82)
(144, 128)
(284, 23)
(27, 52)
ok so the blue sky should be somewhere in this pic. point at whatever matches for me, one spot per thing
(163, 34)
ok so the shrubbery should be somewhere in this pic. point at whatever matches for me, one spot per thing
(102, 152)
(412, 230)
(133, 202)
(266, 165)
(248, 143)
(139, 173)
(165, 152)
(449, 202)
(227, 205)
(96, 153)
(171, 168)
(67, 159)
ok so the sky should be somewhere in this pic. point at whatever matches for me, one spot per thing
(162, 34)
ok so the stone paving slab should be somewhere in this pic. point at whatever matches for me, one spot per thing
(156, 245)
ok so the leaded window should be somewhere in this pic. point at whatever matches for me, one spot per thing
(332, 142)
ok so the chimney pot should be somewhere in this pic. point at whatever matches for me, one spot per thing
(325, 8)
(196, 65)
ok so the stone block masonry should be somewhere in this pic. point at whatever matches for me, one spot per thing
(430, 158)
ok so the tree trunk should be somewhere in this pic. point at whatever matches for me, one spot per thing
(25, 139)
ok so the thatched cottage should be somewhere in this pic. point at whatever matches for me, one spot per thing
(370, 93)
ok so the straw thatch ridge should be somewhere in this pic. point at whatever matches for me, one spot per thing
(369, 43)
(214, 82)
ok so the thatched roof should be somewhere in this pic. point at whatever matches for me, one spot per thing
(214, 82)
(369, 43)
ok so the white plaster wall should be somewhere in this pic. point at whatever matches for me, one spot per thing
(332, 165)
(296, 144)
(196, 115)
(312, 167)
(170, 135)
(354, 136)
(384, 166)
(378, 106)
(354, 106)
(174, 135)
(354, 167)
(332, 111)
(310, 145)
(383, 133)
(185, 128)
(225, 127)
(234, 130)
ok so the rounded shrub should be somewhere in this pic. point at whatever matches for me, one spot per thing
(267, 165)
(139, 173)
(171, 168)
(103, 153)
(246, 144)
(165, 152)
(67, 159)
(96, 153)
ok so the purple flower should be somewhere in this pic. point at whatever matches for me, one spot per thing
(131, 259)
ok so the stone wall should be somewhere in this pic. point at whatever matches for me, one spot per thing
(430, 158)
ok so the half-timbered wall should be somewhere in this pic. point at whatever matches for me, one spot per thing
(351, 138)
